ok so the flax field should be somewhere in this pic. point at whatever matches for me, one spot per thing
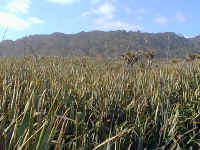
(83, 103)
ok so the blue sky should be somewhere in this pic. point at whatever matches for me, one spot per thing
(26, 17)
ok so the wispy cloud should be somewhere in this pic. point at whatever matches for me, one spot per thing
(139, 18)
(62, 2)
(19, 6)
(161, 20)
(106, 10)
(115, 25)
(180, 17)
(104, 17)
(95, 1)
(11, 21)
(35, 20)
(142, 11)
(128, 10)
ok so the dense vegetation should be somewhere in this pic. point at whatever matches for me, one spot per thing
(89, 103)
(99, 43)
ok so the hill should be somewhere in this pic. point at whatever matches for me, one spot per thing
(100, 43)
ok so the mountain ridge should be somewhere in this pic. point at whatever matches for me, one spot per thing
(95, 43)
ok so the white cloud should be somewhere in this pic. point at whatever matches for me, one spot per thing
(161, 20)
(106, 10)
(180, 17)
(19, 6)
(116, 25)
(36, 20)
(187, 36)
(106, 13)
(63, 1)
(11, 21)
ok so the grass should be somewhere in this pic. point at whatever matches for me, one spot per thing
(82, 103)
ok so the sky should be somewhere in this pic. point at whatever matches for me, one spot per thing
(19, 18)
